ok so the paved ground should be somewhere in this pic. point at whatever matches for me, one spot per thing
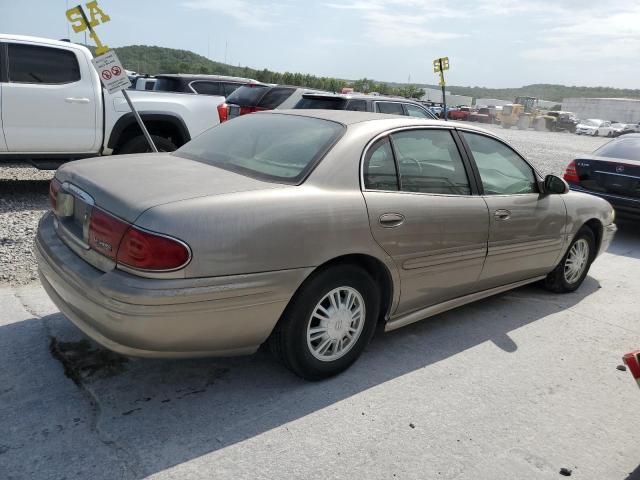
(515, 386)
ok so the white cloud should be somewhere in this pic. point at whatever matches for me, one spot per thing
(243, 11)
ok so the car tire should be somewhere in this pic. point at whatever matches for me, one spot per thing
(311, 320)
(139, 144)
(564, 279)
(596, 133)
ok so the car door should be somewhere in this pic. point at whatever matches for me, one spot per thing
(424, 214)
(49, 101)
(526, 234)
(3, 145)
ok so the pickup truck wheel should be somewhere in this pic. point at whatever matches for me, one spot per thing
(328, 323)
(574, 266)
(139, 144)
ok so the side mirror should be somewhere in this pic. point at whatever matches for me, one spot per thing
(554, 184)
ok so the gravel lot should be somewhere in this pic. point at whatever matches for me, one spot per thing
(23, 194)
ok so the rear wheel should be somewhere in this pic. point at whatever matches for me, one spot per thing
(139, 144)
(574, 266)
(328, 323)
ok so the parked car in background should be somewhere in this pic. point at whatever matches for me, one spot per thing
(218, 85)
(190, 254)
(632, 361)
(461, 113)
(594, 127)
(611, 172)
(54, 108)
(436, 110)
(142, 82)
(256, 97)
(565, 121)
(624, 128)
(482, 115)
(360, 102)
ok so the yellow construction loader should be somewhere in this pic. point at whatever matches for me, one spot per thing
(524, 114)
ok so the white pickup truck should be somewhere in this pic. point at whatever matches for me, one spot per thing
(54, 109)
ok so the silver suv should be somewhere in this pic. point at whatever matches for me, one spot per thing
(363, 103)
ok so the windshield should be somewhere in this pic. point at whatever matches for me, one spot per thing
(627, 148)
(592, 122)
(325, 103)
(280, 148)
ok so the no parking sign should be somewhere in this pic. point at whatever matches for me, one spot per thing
(111, 72)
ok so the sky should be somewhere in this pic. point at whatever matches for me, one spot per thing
(490, 43)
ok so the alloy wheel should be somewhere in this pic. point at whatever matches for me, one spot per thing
(576, 261)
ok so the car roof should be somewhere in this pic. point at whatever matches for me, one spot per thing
(348, 117)
(202, 76)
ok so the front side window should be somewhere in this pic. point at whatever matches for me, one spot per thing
(502, 171)
(393, 108)
(379, 169)
(415, 111)
(279, 148)
(36, 64)
(429, 162)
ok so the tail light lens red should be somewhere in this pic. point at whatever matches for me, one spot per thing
(223, 112)
(135, 248)
(54, 188)
(148, 251)
(570, 174)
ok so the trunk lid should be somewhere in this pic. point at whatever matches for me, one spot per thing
(127, 185)
(609, 175)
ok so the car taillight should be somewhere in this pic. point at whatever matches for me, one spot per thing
(570, 174)
(245, 110)
(223, 112)
(148, 251)
(132, 247)
(54, 188)
(105, 233)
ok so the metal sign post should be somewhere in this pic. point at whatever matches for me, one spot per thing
(439, 66)
(112, 73)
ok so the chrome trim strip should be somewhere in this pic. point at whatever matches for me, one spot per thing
(618, 174)
(450, 304)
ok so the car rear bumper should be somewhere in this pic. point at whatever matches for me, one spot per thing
(625, 207)
(216, 316)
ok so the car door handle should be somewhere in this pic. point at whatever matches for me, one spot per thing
(77, 100)
(388, 220)
(502, 214)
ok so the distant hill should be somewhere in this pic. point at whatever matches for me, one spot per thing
(154, 60)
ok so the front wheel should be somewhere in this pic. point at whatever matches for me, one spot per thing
(596, 133)
(328, 323)
(574, 266)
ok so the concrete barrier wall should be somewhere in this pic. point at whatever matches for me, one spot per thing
(624, 110)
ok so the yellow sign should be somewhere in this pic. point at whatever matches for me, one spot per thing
(80, 22)
(439, 66)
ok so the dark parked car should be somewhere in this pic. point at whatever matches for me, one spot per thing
(201, 84)
(611, 172)
(255, 97)
(364, 103)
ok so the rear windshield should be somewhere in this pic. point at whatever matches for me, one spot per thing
(275, 97)
(324, 103)
(623, 148)
(279, 148)
(248, 95)
(167, 85)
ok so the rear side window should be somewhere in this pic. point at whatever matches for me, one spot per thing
(208, 88)
(357, 105)
(389, 107)
(324, 103)
(36, 64)
(248, 95)
(624, 148)
(429, 162)
(167, 85)
(280, 148)
(379, 170)
(275, 97)
(502, 171)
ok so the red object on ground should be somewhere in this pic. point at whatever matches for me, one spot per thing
(632, 361)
